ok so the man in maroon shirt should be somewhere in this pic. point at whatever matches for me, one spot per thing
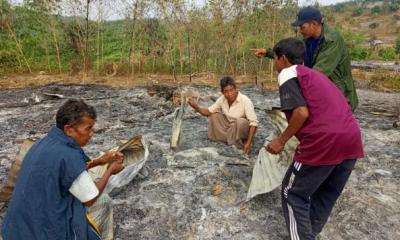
(330, 141)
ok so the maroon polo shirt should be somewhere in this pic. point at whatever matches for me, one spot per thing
(331, 133)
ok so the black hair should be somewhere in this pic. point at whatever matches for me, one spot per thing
(72, 112)
(226, 81)
(292, 48)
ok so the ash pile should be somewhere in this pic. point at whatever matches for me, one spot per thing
(198, 190)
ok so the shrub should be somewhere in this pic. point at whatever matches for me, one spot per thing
(376, 10)
(357, 12)
(387, 53)
(397, 45)
(360, 53)
(339, 7)
(394, 7)
(8, 59)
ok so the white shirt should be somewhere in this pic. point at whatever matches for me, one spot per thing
(84, 188)
(242, 107)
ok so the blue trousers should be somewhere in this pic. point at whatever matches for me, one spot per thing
(309, 194)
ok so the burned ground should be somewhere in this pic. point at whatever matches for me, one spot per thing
(198, 190)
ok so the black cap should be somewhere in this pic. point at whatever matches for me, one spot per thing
(307, 14)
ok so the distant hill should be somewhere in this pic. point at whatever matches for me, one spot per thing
(375, 20)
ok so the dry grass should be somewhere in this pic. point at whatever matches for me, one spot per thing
(381, 81)
(31, 80)
(386, 81)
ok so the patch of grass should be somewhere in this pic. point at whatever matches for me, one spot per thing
(384, 81)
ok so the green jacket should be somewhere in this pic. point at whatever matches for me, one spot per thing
(333, 59)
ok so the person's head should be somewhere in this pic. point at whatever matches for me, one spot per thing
(228, 88)
(309, 21)
(76, 119)
(288, 52)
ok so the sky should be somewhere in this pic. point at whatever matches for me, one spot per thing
(322, 2)
(112, 12)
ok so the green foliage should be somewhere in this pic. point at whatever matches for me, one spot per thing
(339, 7)
(353, 39)
(360, 53)
(357, 12)
(387, 53)
(218, 43)
(376, 10)
(397, 45)
(391, 7)
(7, 59)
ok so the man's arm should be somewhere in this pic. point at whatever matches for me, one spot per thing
(107, 157)
(114, 168)
(329, 58)
(253, 122)
(299, 116)
(249, 142)
(86, 190)
(203, 111)
(262, 52)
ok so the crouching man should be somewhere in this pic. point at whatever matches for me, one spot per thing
(54, 188)
(231, 119)
(330, 141)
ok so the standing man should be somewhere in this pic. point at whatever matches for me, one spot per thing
(326, 52)
(329, 136)
(53, 186)
(231, 119)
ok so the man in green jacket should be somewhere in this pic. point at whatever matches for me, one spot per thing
(326, 52)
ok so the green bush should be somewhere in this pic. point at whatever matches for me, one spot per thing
(376, 10)
(8, 59)
(357, 12)
(353, 39)
(360, 53)
(339, 7)
(397, 46)
(394, 7)
(387, 53)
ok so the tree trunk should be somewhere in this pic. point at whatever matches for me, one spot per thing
(19, 47)
(86, 55)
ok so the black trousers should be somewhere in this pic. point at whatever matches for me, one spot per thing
(309, 194)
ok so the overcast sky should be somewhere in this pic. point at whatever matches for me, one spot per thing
(114, 12)
(323, 2)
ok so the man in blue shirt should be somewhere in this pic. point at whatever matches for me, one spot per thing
(53, 186)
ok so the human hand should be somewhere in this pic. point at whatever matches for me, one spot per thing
(275, 146)
(192, 103)
(259, 52)
(111, 156)
(247, 148)
(116, 166)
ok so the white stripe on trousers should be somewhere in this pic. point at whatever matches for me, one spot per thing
(297, 165)
(292, 220)
(292, 225)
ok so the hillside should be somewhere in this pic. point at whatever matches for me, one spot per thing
(376, 20)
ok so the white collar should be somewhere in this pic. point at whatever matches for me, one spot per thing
(286, 74)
